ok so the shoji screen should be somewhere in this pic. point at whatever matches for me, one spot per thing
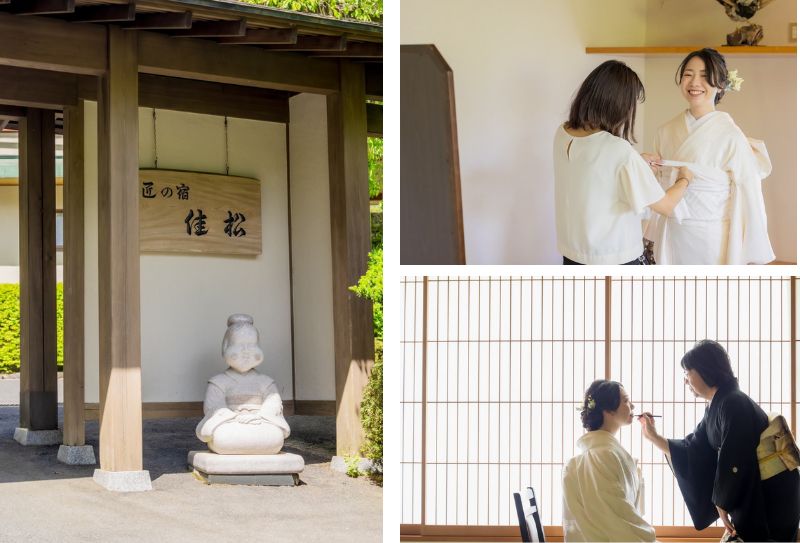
(507, 361)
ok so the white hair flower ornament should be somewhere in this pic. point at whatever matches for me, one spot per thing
(734, 81)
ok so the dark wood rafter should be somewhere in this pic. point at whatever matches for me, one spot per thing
(12, 113)
(160, 21)
(263, 36)
(48, 44)
(254, 67)
(37, 88)
(104, 13)
(313, 43)
(42, 7)
(356, 50)
(213, 98)
(213, 29)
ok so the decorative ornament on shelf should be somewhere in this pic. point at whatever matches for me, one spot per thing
(740, 11)
(734, 81)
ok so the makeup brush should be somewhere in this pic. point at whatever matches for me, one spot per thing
(654, 416)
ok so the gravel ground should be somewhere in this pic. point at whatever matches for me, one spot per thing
(44, 500)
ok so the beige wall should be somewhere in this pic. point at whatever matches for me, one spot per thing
(694, 22)
(311, 248)
(9, 224)
(187, 298)
(514, 79)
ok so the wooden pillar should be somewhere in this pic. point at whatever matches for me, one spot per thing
(118, 258)
(37, 247)
(350, 243)
(74, 423)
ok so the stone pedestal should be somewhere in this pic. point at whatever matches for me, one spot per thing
(282, 469)
(77, 455)
(26, 437)
(123, 481)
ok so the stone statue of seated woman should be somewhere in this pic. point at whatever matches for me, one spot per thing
(243, 409)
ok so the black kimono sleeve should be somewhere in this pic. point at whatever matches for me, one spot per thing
(694, 463)
(737, 475)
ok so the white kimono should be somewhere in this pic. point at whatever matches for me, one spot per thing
(722, 218)
(604, 493)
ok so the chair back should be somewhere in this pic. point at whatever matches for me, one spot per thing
(530, 524)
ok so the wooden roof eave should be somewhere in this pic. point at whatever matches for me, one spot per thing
(262, 15)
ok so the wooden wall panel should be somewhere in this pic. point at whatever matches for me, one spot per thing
(431, 226)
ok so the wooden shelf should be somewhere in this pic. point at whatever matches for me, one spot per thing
(667, 50)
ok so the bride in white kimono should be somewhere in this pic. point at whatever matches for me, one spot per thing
(722, 218)
(603, 487)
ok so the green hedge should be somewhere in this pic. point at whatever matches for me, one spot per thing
(9, 327)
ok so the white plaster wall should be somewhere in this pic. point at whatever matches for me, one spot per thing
(186, 299)
(311, 248)
(9, 225)
(514, 80)
(515, 77)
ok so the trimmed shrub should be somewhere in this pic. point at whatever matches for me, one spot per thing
(9, 327)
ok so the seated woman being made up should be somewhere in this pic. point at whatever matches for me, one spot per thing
(603, 187)
(603, 487)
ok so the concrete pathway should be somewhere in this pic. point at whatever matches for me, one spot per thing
(44, 500)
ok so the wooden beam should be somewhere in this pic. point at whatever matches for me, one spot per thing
(104, 13)
(249, 66)
(38, 409)
(213, 98)
(263, 36)
(37, 88)
(350, 244)
(118, 258)
(48, 44)
(373, 74)
(12, 112)
(74, 395)
(160, 21)
(205, 97)
(312, 43)
(375, 120)
(356, 50)
(42, 7)
(213, 29)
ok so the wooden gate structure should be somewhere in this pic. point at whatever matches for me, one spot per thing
(203, 56)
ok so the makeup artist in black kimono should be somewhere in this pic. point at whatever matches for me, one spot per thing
(717, 466)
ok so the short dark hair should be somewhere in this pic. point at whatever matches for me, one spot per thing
(607, 100)
(606, 396)
(711, 361)
(716, 70)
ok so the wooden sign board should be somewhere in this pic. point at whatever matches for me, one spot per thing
(188, 212)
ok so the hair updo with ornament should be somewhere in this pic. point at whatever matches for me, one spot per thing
(601, 396)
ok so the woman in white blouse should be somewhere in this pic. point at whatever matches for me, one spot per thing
(603, 186)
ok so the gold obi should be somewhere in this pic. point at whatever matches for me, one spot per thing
(777, 450)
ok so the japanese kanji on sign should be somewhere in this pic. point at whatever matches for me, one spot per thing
(189, 212)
